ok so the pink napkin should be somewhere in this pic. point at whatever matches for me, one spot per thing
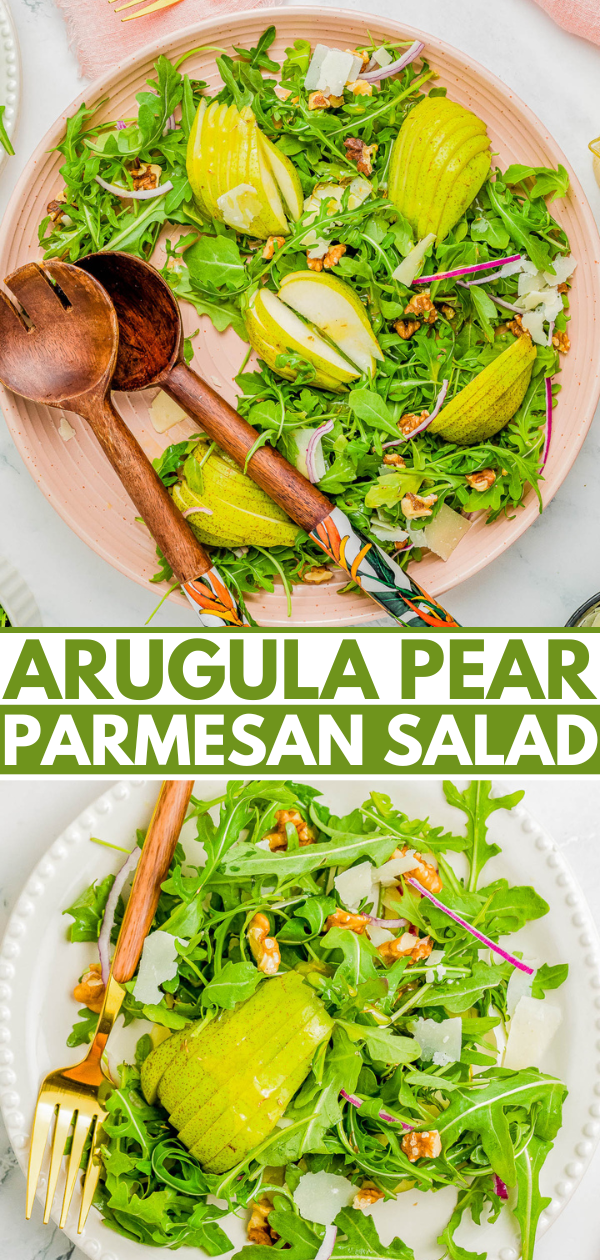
(100, 40)
(581, 17)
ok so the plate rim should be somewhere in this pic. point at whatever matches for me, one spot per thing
(14, 72)
(95, 814)
(524, 516)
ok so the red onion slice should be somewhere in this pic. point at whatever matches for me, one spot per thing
(144, 194)
(387, 923)
(328, 1243)
(128, 866)
(312, 446)
(424, 423)
(468, 271)
(500, 1188)
(383, 1115)
(384, 72)
(548, 420)
(485, 940)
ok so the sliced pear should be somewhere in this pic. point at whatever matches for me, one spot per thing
(259, 175)
(336, 311)
(193, 159)
(274, 329)
(286, 176)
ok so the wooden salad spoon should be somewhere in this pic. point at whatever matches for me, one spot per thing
(151, 353)
(76, 1093)
(58, 345)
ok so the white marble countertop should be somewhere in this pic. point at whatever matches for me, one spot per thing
(544, 576)
(570, 811)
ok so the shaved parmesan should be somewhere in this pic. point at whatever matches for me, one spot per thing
(435, 957)
(444, 532)
(532, 1028)
(389, 533)
(240, 206)
(158, 963)
(563, 267)
(66, 430)
(382, 57)
(533, 322)
(528, 282)
(409, 266)
(388, 873)
(320, 1196)
(553, 305)
(354, 885)
(512, 268)
(165, 412)
(519, 986)
(336, 70)
(314, 70)
(440, 1043)
(378, 935)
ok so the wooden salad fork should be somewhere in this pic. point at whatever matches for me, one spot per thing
(58, 345)
(150, 8)
(151, 353)
(74, 1094)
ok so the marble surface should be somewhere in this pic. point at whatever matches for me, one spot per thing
(546, 574)
(569, 810)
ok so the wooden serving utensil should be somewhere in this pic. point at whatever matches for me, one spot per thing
(74, 1093)
(58, 345)
(151, 353)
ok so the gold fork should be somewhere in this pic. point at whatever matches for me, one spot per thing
(74, 1094)
(150, 8)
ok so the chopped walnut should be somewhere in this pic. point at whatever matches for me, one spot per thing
(314, 264)
(281, 92)
(482, 479)
(145, 175)
(562, 288)
(422, 307)
(360, 88)
(448, 311)
(318, 100)
(271, 244)
(561, 342)
(360, 52)
(57, 207)
(259, 1230)
(317, 575)
(278, 839)
(408, 423)
(422, 1145)
(90, 989)
(333, 255)
(406, 946)
(415, 505)
(424, 872)
(352, 922)
(406, 327)
(265, 949)
(367, 1195)
(395, 460)
(516, 327)
(361, 153)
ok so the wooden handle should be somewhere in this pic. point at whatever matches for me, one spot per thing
(187, 556)
(301, 500)
(151, 871)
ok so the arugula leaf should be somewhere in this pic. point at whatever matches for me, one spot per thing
(358, 955)
(530, 1204)
(245, 859)
(446, 1239)
(88, 911)
(358, 1239)
(223, 314)
(236, 982)
(370, 407)
(486, 310)
(459, 995)
(83, 1030)
(547, 977)
(509, 909)
(478, 805)
(384, 1045)
(546, 180)
(214, 261)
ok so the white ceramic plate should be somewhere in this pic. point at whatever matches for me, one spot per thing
(10, 74)
(38, 969)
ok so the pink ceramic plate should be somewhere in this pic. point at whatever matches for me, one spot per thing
(74, 475)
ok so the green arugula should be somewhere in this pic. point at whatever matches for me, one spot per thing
(479, 805)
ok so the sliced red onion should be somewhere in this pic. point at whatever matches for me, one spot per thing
(403, 548)
(387, 923)
(120, 125)
(351, 1098)
(424, 423)
(548, 420)
(328, 1243)
(485, 940)
(207, 511)
(144, 194)
(311, 449)
(383, 1115)
(384, 72)
(500, 1188)
(496, 275)
(128, 866)
(468, 271)
(170, 125)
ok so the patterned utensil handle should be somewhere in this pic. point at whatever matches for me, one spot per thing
(378, 575)
(213, 601)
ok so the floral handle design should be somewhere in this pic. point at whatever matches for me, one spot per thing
(213, 601)
(378, 575)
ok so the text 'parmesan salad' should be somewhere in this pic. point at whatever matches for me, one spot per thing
(406, 298)
(328, 1013)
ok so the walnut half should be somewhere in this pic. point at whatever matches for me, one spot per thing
(422, 1145)
(265, 949)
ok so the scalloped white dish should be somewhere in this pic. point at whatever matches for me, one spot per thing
(10, 74)
(38, 968)
(16, 597)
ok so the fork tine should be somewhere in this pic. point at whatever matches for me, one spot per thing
(42, 1120)
(151, 8)
(82, 1128)
(92, 1174)
(64, 1120)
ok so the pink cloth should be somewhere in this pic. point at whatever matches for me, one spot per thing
(100, 39)
(580, 17)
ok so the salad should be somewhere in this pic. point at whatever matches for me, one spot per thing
(330, 1022)
(408, 311)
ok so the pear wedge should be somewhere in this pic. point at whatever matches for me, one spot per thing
(489, 401)
(274, 329)
(440, 159)
(193, 160)
(285, 175)
(272, 218)
(234, 511)
(334, 308)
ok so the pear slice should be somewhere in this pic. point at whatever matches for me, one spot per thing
(231, 510)
(335, 310)
(286, 176)
(193, 159)
(274, 329)
(202, 158)
(272, 219)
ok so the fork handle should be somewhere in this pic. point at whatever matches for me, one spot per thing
(186, 556)
(151, 871)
